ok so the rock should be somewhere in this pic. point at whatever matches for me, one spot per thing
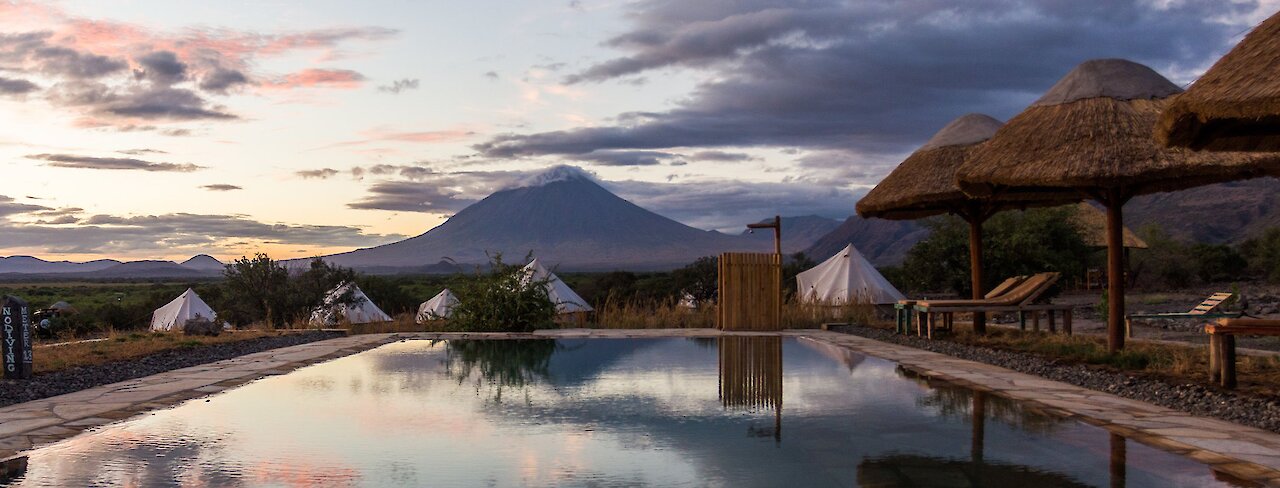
(201, 326)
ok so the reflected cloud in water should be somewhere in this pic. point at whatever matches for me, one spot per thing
(665, 412)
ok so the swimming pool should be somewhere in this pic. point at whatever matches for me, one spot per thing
(728, 411)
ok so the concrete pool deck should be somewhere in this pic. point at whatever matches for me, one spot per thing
(1242, 452)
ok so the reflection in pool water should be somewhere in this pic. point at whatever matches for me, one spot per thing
(605, 412)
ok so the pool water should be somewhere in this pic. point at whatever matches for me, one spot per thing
(732, 411)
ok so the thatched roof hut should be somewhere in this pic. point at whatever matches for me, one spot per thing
(1091, 223)
(1090, 135)
(925, 184)
(1235, 106)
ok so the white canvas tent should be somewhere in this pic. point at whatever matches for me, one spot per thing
(176, 313)
(360, 310)
(844, 278)
(564, 297)
(438, 307)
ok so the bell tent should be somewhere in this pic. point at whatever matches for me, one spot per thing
(175, 314)
(358, 310)
(846, 278)
(438, 307)
(564, 297)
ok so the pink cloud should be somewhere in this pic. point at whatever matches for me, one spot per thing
(307, 78)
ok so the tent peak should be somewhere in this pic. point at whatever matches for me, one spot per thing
(963, 131)
(1120, 79)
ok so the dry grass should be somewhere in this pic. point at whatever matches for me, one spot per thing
(119, 346)
(617, 314)
(1184, 364)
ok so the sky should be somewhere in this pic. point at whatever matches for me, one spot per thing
(135, 129)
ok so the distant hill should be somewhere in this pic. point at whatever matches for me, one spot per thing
(567, 220)
(883, 242)
(798, 233)
(1226, 213)
(28, 264)
(147, 269)
(203, 262)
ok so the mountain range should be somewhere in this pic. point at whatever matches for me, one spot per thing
(572, 222)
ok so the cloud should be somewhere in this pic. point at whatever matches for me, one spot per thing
(13, 86)
(383, 134)
(322, 173)
(221, 80)
(90, 162)
(167, 233)
(721, 156)
(9, 206)
(221, 187)
(625, 158)
(81, 58)
(411, 196)
(161, 67)
(324, 78)
(400, 85)
(141, 151)
(491, 75)
(869, 77)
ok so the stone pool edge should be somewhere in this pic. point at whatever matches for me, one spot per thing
(1243, 452)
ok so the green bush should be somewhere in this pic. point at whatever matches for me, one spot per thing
(502, 299)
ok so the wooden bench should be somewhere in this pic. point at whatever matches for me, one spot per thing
(1222, 345)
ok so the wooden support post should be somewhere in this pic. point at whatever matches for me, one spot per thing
(1115, 271)
(1022, 320)
(1228, 348)
(1053, 324)
(1066, 321)
(1215, 360)
(1035, 320)
(929, 327)
(976, 268)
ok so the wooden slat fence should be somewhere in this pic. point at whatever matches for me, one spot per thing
(750, 292)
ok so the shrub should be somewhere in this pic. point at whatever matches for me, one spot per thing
(502, 299)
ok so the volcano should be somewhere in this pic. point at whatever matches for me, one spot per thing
(567, 220)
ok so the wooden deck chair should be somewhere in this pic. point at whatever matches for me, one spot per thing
(904, 308)
(1208, 309)
(1020, 298)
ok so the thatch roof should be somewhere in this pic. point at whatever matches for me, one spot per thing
(1091, 223)
(925, 184)
(1092, 133)
(1235, 106)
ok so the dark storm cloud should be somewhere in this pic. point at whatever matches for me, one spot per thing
(875, 77)
(400, 85)
(221, 187)
(91, 162)
(14, 86)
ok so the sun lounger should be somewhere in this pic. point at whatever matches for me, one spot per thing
(904, 308)
(1020, 298)
(1205, 310)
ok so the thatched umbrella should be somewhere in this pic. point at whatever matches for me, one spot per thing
(1235, 106)
(1090, 135)
(925, 185)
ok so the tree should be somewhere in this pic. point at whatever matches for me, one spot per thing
(502, 299)
(701, 279)
(255, 291)
(1016, 243)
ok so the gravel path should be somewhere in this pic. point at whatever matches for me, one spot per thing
(76, 379)
(1252, 410)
